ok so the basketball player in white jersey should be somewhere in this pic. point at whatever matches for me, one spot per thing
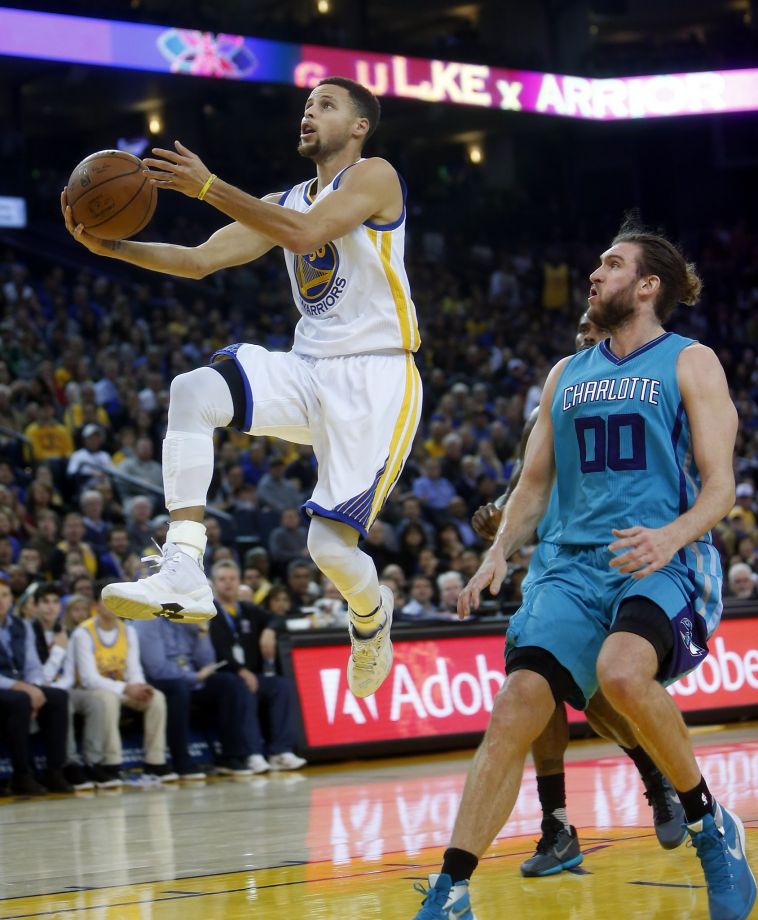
(349, 386)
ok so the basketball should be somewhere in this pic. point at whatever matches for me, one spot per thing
(109, 195)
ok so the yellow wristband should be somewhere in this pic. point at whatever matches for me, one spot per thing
(208, 183)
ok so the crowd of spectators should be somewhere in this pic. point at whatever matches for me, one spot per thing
(86, 360)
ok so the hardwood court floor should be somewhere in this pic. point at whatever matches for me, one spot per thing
(347, 843)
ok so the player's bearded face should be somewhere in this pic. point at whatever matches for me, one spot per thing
(614, 310)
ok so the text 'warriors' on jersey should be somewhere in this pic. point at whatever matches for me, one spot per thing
(623, 448)
(352, 293)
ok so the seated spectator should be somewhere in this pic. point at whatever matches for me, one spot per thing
(30, 561)
(412, 514)
(274, 491)
(743, 514)
(458, 514)
(257, 582)
(179, 660)
(432, 489)
(45, 541)
(85, 463)
(420, 605)
(278, 602)
(138, 525)
(49, 636)
(111, 563)
(95, 526)
(289, 540)
(22, 699)
(49, 440)
(107, 658)
(302, 589)
(449, 587)
(376, 547)
(76, 609)
(142, 466)
(331, 609)
(73, 542)
(743, 583)
(412, 543)
(243, 637)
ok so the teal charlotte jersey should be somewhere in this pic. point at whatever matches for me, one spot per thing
(623, 458)
(622, 442)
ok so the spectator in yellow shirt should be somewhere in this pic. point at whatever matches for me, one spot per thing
(49, 439)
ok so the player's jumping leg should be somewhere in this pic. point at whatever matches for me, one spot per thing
(334, 549)
(627, 669)
(558, 847)
(200, 401)
(668, 814)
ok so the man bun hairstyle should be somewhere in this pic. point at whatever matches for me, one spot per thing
(364, 101)
(680, 282)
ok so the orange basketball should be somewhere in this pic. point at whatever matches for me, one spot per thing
(109, 195)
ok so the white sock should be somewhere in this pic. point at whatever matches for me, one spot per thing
(189, 536)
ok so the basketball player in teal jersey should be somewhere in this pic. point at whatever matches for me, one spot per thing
(639, 433)
(349, 386)
(558, 847)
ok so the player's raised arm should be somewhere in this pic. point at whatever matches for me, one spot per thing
(233, 244)
(369, 189)
(525, 506)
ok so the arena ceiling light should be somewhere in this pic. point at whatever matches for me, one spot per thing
(161, 49)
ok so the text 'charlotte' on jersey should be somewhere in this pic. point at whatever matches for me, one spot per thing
(352, 293)
(623, 448)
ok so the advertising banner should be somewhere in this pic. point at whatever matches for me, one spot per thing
(446, 686)
(166, 49)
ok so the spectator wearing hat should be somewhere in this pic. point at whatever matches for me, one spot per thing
(274, 491)
(244, 636)
(85, 463)
(743, 583)
(23, 697)
(742, 516)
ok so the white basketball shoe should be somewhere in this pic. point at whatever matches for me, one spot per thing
(178, 591)
(371, 657)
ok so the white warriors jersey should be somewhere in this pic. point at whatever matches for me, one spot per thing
(353, 292)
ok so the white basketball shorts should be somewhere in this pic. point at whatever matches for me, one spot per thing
(360, 413)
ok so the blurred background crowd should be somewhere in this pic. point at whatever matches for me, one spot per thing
(87, 353)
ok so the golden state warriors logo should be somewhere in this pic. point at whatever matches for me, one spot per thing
(316, 272)
(317, 280)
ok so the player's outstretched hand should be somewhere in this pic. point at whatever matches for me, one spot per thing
(643, 550)
(491, 572)
(180, 170)
(486, 520)
(93, 243)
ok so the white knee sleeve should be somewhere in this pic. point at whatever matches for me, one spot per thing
(334, 549)
(200, 401)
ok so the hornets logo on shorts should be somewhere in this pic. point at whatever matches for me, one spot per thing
(316, 273)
